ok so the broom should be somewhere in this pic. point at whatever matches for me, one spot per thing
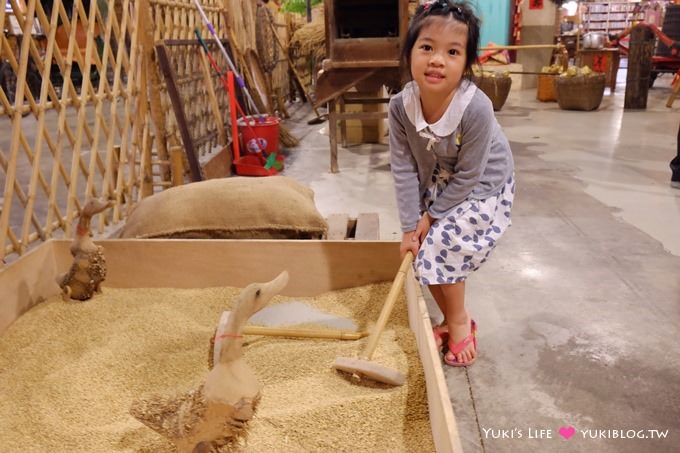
(284, 135)
(270, 160)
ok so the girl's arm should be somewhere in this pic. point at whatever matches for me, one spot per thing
(478, 126)
(404, 169)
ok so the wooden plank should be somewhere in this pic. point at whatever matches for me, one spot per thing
(176, 101)
(368, 64)
(368, 227)
(361, 115)
(442, 419)
(27, 282)
(319, 265)
(331, 84)
(337, 227)
(217, 163)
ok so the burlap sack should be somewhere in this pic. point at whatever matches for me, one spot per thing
(272, 207)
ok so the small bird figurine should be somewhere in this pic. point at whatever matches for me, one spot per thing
(88, 270)
(218, 411)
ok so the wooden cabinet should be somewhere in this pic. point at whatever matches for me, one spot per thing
(605, 61)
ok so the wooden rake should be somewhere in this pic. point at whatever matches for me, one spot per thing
(363, 366)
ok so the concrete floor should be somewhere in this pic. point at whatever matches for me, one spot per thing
(579, 307)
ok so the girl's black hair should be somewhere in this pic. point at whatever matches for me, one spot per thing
(460, 11)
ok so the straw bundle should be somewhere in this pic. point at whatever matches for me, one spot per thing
(310, 39)
(308, 46)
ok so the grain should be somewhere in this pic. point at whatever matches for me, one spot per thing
(70, 372)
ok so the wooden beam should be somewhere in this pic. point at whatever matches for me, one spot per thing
(182, 124)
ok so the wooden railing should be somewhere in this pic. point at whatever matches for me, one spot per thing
(84, 110)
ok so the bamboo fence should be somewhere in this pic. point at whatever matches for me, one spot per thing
(85, 110)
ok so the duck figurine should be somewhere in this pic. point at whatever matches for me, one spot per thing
(88, 270)
(217, 412)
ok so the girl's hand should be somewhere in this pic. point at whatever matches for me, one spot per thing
(409, 241)
(423, 226)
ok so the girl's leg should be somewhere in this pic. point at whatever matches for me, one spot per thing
(457, 318)
(441, 330)
(436, 291)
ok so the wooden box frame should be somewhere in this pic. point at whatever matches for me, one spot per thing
(363, 51)
(315, 266)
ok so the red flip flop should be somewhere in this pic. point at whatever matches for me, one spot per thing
(441, 336)
(458, 347)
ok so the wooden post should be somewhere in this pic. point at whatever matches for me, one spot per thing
(333, 134)
(177, 165)
(214, 105)
(639, 67)
(153, 94)
(182, 122)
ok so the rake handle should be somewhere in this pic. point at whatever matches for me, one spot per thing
(386, 311)
(304, 333)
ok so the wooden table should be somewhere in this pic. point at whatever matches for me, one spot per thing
(601, 60)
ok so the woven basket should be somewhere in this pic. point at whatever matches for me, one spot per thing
(545, 90)
(580, 92)
(496, 88)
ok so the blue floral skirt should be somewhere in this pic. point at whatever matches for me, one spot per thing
(458, 243)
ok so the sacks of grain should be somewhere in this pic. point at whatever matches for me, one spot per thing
(275, 207)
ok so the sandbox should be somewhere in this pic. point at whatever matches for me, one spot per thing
(203, 269)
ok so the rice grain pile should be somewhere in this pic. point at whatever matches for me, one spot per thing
(70, 372)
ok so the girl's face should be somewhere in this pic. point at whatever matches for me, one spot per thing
(438, 56)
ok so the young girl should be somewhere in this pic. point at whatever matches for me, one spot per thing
(452, 166)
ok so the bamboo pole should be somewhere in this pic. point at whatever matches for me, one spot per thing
(125, 149)
(3, 36)
(146, 183)
(100, 123)
(57, 147)
(153, 91)
(210, 88)
(522, 47)
(177, 165)
(76, 161)
(113, 152)
(141, 137)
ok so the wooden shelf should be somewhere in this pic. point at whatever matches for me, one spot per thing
(610, 16)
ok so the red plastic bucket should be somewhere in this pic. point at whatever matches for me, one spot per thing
(260, 133)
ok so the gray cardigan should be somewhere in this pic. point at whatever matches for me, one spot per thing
(483, 165)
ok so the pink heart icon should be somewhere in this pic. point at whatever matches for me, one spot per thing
(567, 431)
